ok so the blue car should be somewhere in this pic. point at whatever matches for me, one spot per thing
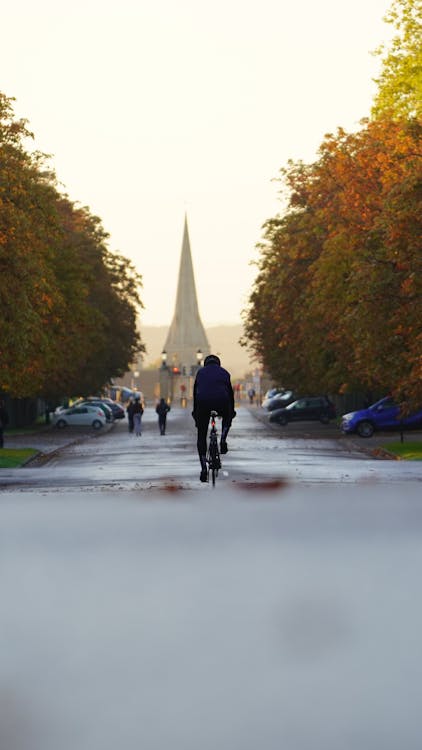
(383, 415)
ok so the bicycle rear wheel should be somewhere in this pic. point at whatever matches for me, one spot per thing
(214, 463)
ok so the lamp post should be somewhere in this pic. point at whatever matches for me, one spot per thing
(193, 370)
(164, 376)
(134, 378)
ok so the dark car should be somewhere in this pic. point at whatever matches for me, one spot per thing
(117, 409)
(383, 415)
(280, 400)
(315, 408)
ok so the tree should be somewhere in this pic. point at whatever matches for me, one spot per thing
(336, 303)
(400, 81)
(68, 305)
(27, 227)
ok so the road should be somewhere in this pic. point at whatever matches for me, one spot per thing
(258, 452)
(141, 609)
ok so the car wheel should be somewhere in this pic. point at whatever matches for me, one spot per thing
(365, 429)
(282, 420)
(60, 424)
(97, 424)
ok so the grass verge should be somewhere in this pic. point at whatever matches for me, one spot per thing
(34, 429)
(412, 450)
(12, 458)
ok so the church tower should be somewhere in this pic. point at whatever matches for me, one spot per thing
(186, 334)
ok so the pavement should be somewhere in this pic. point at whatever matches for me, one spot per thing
(258, 452)
(48, 440)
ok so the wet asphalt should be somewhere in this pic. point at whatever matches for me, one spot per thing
(309, 453)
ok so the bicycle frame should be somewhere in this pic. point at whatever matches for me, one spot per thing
(213, 454)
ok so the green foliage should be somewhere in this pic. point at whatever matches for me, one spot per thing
(400, 82)
(68, 305)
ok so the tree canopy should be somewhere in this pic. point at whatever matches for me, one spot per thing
(336, 304)
(68, 305)
(399, 91)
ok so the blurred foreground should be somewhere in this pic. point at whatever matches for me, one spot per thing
(284, 618)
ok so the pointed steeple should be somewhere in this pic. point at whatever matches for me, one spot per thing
(186, 334)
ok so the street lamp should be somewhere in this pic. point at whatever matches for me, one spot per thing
(135, 376)
(199, 356)
(164, 376)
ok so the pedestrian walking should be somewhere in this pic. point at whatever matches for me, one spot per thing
(4, 421)
(129, 412)
(162, 410)
(137, 416)
(251, 394)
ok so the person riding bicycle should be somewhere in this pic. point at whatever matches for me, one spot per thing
(212, 391)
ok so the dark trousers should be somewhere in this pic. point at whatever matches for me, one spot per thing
(162, 423)
(1, 437)
(202, 421)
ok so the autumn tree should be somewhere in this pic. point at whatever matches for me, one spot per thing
(399, 92)
(68, 305)
(102, 336)
(336, 303)
(28, 293)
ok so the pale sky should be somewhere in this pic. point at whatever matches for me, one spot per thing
(151, 109)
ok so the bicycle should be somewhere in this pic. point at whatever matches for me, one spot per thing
(213, 453)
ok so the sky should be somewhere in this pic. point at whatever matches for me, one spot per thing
(151, 110)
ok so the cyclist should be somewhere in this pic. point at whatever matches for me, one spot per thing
(212, 390)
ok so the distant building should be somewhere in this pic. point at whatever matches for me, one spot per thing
(186, 335)
(185, 345)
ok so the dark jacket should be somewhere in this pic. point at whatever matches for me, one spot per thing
(137, 408)
(213, 389)
(162, 408)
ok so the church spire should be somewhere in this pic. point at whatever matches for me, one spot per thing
(186, 334)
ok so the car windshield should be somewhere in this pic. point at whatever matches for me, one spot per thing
(296, 405)
(385, 403)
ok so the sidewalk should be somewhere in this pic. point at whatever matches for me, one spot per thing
(49, 439)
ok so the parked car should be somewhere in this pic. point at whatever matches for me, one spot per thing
(108, 413)
(117, 409)
(91, 416)
(383, 415)
(272, 392)
(304, 409)
(280, 400)
(269, 395)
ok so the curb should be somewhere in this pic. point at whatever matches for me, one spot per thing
(42, 457)
(384, 454)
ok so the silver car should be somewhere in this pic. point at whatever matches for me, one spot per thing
(90, 416)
